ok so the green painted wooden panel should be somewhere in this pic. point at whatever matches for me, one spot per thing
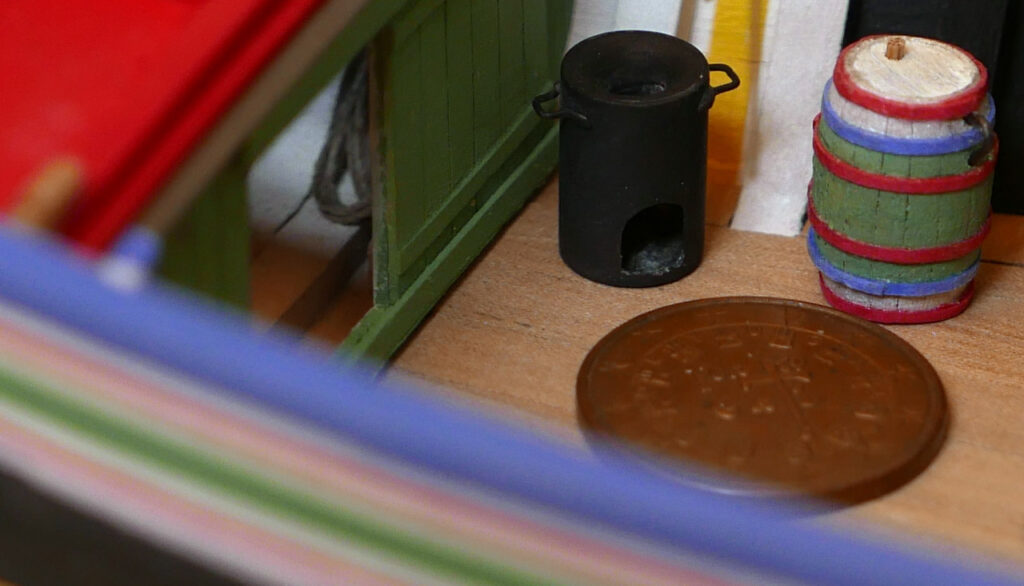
(442, 217)
(385, 327)
(410, 20)
(511, 60)
(484, 43)
(407, 204)
(455, 124)
(486, 100)
(459, 68)
(208, 251)
(539, 67)
(559, 19)
(435, 126)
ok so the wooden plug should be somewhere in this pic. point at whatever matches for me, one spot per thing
(896, 48)
(49, 195)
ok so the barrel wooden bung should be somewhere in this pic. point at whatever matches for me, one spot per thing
(931, 81)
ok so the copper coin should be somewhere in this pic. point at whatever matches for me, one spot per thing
(785, 398)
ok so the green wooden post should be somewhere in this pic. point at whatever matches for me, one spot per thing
(208, 252)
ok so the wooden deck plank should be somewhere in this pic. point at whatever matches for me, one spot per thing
(515, 330)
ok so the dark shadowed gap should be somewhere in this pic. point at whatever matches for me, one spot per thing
(652, 240)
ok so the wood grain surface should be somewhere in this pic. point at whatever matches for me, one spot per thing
(925, 71)
(514, 331)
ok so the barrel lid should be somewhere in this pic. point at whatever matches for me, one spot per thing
(911, 77)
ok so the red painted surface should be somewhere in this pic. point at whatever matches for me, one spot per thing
(128, 88)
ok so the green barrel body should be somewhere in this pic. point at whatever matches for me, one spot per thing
(893, 219)
(893, 272)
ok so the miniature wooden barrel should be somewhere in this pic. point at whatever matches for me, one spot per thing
(899, 202)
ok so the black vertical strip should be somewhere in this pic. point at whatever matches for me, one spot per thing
(44, 540)
(975, 25)
(1008, 195)
(852, 31)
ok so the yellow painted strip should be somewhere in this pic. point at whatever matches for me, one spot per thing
(736, 41)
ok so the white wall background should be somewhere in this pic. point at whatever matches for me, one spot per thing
(801, 43)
